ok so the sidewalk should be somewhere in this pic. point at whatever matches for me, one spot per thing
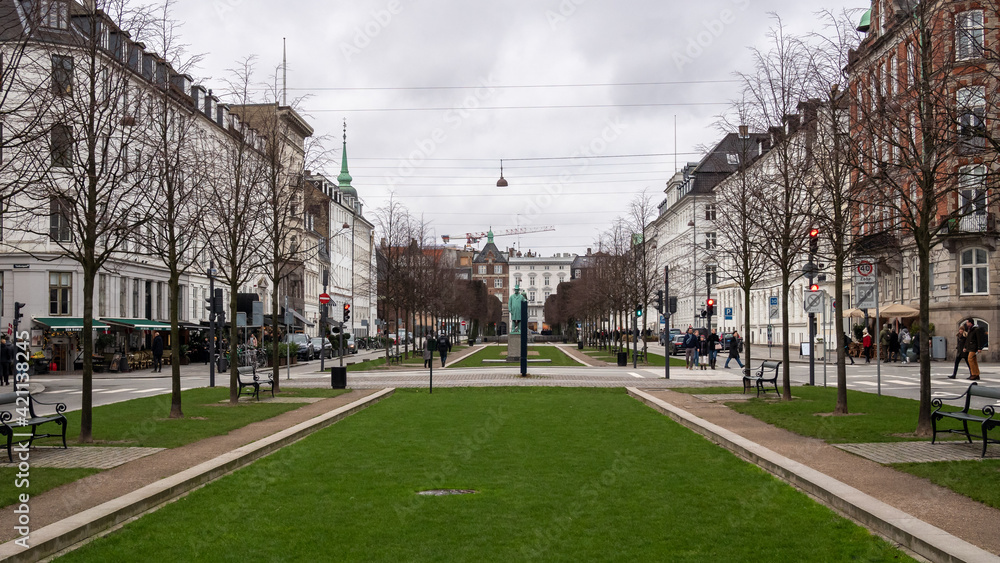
(956, 514)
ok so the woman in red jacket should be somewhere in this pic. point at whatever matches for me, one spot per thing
(866, 341)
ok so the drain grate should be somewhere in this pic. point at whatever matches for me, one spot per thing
(447, 492)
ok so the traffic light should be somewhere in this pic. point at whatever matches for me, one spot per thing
(347, 312)
(18, 315)
(659, 301)
(214, 302)
(710, 307)
(814, 287)
(638, 310)
(813, 241)
(672, 305)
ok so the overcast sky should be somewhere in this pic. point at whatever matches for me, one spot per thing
(442, 162)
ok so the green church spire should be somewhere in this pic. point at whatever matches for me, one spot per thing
(344, 180)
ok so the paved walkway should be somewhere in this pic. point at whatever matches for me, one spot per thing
(965, 518)
(921, 452)
(76, 457)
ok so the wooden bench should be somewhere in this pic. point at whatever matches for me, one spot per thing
(247, 377)
(766, 373)
(23, 415)
(985, 422)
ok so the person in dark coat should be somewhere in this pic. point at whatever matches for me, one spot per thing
(847, 348)
(5, 361)
(702, 358)
(443, 347)
(973, 344)
(735, 347)
(157, 349)
(713, 352)
(960, 353)
(893, 346)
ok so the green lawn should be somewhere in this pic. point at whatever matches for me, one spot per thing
(143, 422)
(974, 479)
(561, 475)
(416, 359)
(653, 359)
(558, 357)
(40, 480)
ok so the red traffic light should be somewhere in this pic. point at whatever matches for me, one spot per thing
(711, 302)
(814, 287)
(813, 233)
(347, 307)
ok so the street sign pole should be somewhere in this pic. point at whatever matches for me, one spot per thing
(666, 313)
(878, 332)
(211, 324)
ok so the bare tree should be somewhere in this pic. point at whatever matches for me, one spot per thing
(773, 91)
(235, 203)
(86, 200)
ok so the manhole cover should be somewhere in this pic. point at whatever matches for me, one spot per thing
(446, 492)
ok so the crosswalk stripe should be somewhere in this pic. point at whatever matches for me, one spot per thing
(636, 375)
(113, 391)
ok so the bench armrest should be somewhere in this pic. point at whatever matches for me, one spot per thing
(60, 407)
(6, 416)
(989, 411)
(938, 402)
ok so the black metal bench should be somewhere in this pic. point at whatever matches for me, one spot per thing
(766, 373)
(397, 358)
(22, 415)
(985, 422)
(247, 377)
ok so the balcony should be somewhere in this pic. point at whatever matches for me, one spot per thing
(979, 228)
(878, 243)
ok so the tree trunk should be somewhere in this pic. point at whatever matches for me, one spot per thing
(87, 345)
(175, 340)
(275, 355)
(786, 382)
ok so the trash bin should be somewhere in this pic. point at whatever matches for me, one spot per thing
(622, 359)
(223, 363)
(938, 349)
(338, 377)
(579, 345)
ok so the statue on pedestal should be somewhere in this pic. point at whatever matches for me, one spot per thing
(514, 306)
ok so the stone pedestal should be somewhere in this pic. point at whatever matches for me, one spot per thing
(514, 347)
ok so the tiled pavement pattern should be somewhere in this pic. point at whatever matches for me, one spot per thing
(920, 452)
(96, 457)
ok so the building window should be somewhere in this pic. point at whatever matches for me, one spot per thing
(59, 222)
(971, 105)
(159, 300)
(102, 296)
(482, 270)
(62, 75)
(579, 274)
(498, 269)
(710, 212)
(135, 300)
(969, 35)
(531, 296)
(733, 159)
(498, 283)
(531, 281)
(972, 198)
(60, 288)
(711, 275)
(548, 281)
(710, 241)
(53, 14)
(61, 146)
(975, 274)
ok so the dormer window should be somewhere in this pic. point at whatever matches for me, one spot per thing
(53, 14)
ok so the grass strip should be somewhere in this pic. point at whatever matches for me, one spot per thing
(560, 475)
(553, 353)
(974, 479)
(143, 422)
(41, 479)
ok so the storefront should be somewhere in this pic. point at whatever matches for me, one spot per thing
(130, 348)
(56, 343)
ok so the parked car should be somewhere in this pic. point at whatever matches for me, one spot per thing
(324, 347)
(677, 344)
(726, 338)
(306, 350)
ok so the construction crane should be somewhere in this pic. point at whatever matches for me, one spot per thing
(474, 238)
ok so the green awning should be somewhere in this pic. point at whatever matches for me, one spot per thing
(138, 324)
(68, 323)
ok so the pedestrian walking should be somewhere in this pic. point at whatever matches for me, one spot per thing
(702, 353)
(893, 346)
(883, 342)
(157, 348)
(429, 351)
(690, 348)
(5, 361)
(735, 347)
(973, 343)
(866, 343)
(443, 347)
(847, 348)
(714, 345)
(960, 352)
(904, 343)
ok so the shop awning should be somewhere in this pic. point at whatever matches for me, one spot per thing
(138, 324)
(301, 318)
(68, 324)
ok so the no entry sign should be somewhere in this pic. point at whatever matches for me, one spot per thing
(324, 298)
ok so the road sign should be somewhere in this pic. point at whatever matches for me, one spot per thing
(729, 313)
(865, 284)
(241, 319)
(813, 301)
(775, 310)
(257, 314)
(324, 298)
